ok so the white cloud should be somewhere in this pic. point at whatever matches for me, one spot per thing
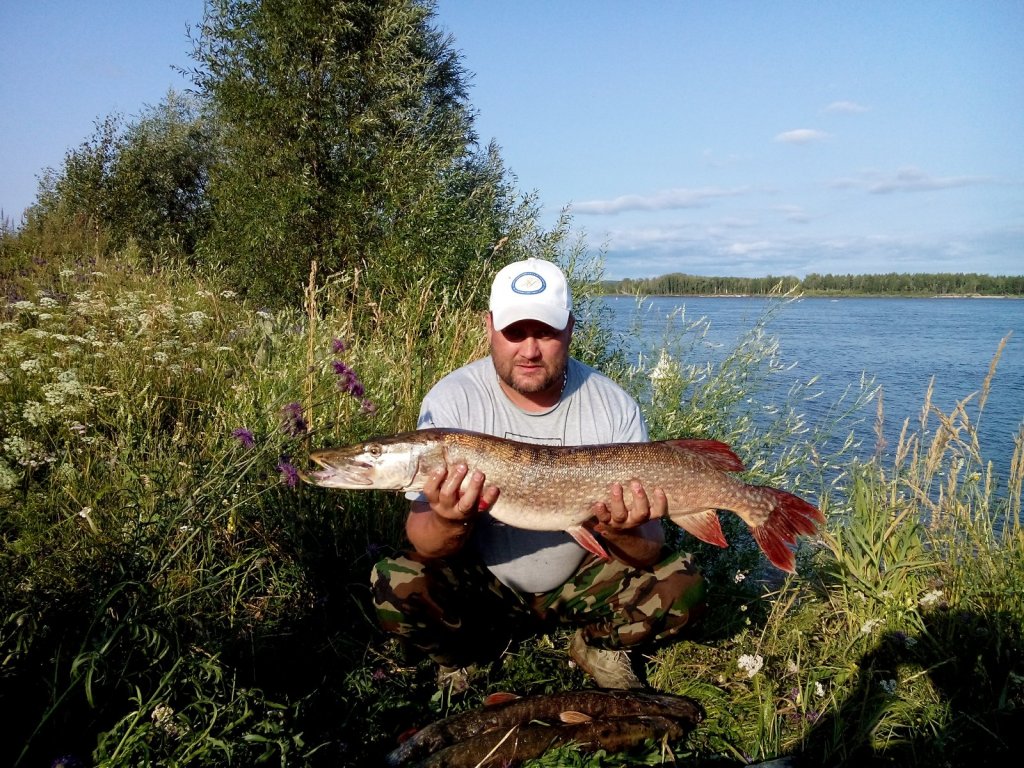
(669, 199)
(906, 180)
(801, 136)
(794, 213)
(846, 107)
(662, 251)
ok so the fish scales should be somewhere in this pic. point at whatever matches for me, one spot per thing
(555, 487)
(540, 484)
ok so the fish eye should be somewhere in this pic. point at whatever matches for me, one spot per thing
(374, 449)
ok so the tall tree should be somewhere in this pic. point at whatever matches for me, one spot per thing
(349, 142)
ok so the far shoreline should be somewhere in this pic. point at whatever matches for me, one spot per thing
(812, 295)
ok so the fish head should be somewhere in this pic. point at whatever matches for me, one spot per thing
(376, 464)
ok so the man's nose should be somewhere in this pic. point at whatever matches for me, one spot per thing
(530, 347)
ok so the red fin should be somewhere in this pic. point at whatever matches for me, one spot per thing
(790, 517)
(500, 697)
(586, 540)
(719, 455)
(407, 734)
(704, 525)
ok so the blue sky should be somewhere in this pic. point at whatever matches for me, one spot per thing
(720, 138)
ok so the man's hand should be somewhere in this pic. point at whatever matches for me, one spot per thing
(624, 529)
(449, 500)
(615, 515)
(439, 525)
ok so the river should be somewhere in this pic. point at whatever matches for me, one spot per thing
(901, 343)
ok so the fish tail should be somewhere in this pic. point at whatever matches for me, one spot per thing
(791, 516)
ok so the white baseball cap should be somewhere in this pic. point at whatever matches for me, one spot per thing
(531, 290)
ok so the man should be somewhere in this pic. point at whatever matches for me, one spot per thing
(470, 582)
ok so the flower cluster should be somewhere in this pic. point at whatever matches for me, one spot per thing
(751, 664)
(289, 472)
(348, 381)
(293, 420)
(244, 436)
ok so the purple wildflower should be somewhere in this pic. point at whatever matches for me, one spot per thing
(289, 474)
(337, 346)
(294, 424)
(368, 407)
(244, 436)
(341, 369)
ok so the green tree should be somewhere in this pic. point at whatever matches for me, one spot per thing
(349, 142)
(141, 181)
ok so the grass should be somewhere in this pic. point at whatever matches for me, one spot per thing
(170, 595)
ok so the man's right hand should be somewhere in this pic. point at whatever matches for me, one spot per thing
(440, 524)
(448, 499)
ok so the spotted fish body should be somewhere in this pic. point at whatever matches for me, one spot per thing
(555, 488)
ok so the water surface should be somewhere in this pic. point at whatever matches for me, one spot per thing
(902, 343)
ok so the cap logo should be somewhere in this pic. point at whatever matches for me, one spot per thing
(528, 284)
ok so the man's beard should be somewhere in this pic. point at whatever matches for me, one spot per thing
(530, 387)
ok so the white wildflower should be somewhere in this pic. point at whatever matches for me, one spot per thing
(869, 626)
(35, 413)
(931, 598)
(751, 664)
(740, 576)
(196, 319)
(30, 366)
(8, 477)
(160, 357)
(24, 305)
(163, 719)
(819, 690)
(792, 667)
(665, 368)
(228, 294)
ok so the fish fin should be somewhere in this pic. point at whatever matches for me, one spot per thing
(790, 517)
(587, 540)
(573, 717)
(704, 525)
(719, 455)
(499, 697)
(407, 734)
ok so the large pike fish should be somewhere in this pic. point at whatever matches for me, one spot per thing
(549, 488)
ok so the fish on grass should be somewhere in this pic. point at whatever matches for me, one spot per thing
(550, 488)
(520, 728)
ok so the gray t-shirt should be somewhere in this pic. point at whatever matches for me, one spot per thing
(593, 409)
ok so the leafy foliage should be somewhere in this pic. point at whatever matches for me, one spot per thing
(143, 181)
(167, 596)
(348, 143)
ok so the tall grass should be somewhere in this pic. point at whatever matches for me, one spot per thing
(169, 594)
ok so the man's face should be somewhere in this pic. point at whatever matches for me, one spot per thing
(529, 356)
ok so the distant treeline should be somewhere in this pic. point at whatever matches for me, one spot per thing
(892, 284)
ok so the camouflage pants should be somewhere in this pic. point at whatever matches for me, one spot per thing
(458, 612)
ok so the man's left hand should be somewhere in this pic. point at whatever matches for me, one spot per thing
(616, 516)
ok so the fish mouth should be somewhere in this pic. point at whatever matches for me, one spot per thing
(351, 475)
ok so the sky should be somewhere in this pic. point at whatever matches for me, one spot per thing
(724, 138)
